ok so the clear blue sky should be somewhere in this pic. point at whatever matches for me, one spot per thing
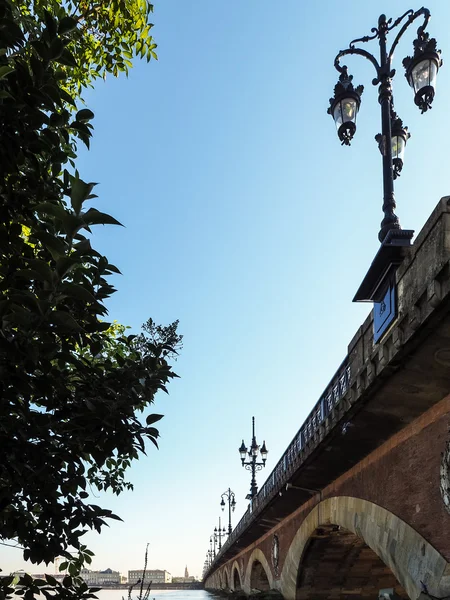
(248, 221)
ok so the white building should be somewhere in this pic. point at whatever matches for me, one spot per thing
(153, 575)
(100, 578)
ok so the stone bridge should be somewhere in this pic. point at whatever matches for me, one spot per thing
(358, 505)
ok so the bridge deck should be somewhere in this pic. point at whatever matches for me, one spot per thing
(378, 389)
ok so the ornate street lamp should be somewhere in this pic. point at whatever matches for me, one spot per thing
(421, 71)
(218, 534)
(229, 495)
(209, 557)
(378, 285)
(252, 465)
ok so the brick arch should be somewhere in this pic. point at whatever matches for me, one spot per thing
(336, 559)
(407, 554)
(259, 570)
(235, 577)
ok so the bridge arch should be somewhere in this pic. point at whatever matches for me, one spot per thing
(226, 579)
(236, 578)
(258, 575)
(395, 544)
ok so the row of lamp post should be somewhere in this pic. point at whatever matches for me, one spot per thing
(253, 464)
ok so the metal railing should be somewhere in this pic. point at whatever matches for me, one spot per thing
(291, 458)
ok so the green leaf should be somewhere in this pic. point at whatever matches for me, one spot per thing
(64, 320)
(77, 291)
(153, 419)
(67, 58)
(30, 275)
(80, 191)
(42, 268)
(66, 25)
(85, 115)
(113, 269)
(95, 217)
(54, 244)
(5, 70)
(56, 210)
(65, 264)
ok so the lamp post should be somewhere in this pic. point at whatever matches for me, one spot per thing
(421, 71)
(219, 533)
(229, 495)
(212, 543)
(253, 465)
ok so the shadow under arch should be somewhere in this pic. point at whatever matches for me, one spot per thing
(337, 562)
(235, 578)
(258, 575)
(376, 535)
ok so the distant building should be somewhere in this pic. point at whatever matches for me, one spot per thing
(57, 576)
(101, 578)
(153, 575)
(185, 579)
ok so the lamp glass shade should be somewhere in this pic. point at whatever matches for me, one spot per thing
(423, 74)
(344, 111)
(243, 450)
(264, 451)
(254, 450)
(398, 147)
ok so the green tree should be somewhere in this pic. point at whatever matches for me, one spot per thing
(96, 37)
(72, 385)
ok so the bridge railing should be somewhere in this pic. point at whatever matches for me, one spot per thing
(291, 458)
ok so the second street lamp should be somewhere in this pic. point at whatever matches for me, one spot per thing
(252, 465)
(229, 495)
(219, 534)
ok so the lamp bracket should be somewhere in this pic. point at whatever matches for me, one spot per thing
(392, 251)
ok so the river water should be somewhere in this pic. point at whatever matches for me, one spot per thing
(158, 595)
